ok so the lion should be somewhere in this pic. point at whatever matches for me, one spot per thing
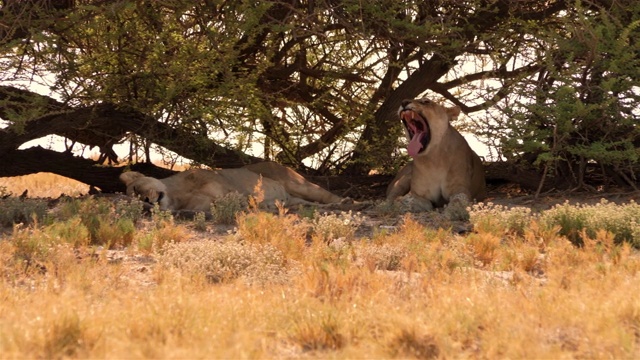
(197, 189)
(444, 168)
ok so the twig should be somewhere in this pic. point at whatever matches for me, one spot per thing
(544, 175)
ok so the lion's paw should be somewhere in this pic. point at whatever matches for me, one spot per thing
(456, 210)
(347, 200)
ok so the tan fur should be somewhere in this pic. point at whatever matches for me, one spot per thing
(445, 168)
(196, 189)
(295, 184)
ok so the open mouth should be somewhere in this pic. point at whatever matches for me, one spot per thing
(418, 131)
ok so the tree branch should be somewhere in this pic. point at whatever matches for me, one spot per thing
(21, 18)
(37, 159)
(106, 124)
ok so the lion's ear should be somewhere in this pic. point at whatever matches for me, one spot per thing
(453, 112)
(130, 176)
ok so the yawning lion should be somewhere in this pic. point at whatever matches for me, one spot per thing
(196, 189)
(444, 168)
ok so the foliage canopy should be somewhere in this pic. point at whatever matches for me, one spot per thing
(318, 82)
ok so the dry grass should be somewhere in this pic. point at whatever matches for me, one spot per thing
(282, 286)
(43, 185)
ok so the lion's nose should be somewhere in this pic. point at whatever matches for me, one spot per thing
(406, 102)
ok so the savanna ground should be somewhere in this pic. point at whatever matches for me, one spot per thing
(522, 278)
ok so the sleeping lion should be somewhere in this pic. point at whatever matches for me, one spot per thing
(444, 168)
(197, 189)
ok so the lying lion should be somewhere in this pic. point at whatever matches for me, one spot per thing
(196, 189)
(444, 168)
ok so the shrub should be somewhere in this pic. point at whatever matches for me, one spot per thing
(145, 243)
(328, 227)
(499, 219)
(225, 209)
(227, 261)
(571, 219)
(382, 257)
(200, 221)
(132, 210)
(338, 252)
(36, 249)
(117, 233)
(108, 223)
(70, 231)
(31, 244)
(161, 218)
(68, 208)
(574, 221)
(25, 211)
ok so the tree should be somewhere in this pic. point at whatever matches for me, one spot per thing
(577, 118)
(312, 84)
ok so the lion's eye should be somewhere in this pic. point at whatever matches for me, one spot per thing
(424, 101)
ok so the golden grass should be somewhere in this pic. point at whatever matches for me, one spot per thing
(413, 293)
(285, 286)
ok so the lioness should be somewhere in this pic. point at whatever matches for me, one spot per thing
(444, 168)
(196, 189)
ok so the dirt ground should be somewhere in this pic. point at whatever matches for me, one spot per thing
(510, 195)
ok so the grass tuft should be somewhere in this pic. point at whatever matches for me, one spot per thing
(65, 338)
(283, 231)
(411, 344)
(318, 332)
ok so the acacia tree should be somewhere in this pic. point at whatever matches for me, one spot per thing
(577, 118)
(225, 83)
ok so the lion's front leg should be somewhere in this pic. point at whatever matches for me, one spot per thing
(401, 184)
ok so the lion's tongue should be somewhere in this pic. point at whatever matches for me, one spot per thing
(415, 145)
